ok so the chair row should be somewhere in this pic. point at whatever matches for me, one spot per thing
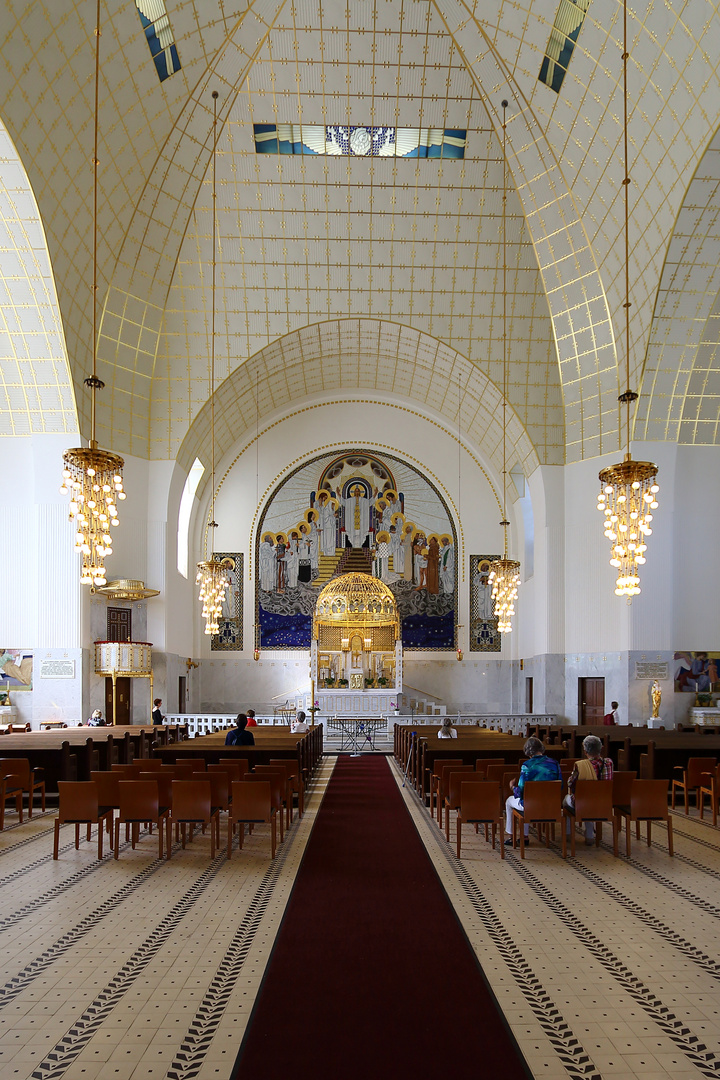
(480, 800)
(163, 797)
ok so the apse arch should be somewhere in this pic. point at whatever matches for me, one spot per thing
(347, 360)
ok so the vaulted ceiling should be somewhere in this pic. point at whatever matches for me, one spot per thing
(320, 257)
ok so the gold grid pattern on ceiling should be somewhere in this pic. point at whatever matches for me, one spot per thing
(304, 240)
(45, 93)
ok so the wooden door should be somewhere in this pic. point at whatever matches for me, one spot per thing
(591, 701)
(119, 624)
(182, 692)
(528, 694)
(122, 715)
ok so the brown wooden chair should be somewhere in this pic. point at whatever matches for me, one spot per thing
(10, 788)
(79, 805)
(192, 805)
(648, 802)
(691, 779)
(140, 804)
(295, 779)
(710, 787)
(496, 772)
(454, 780)
(149, 764)
(30, 780)
(479, 806)
(622, 787)
(482, 765)
(442, 788)
(287, 791)
(435, 778)
(542, 806)
(106, 784)
(593, 802)
(277, 792)
(252, 804)
(240, 767)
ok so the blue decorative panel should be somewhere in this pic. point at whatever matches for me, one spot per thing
(359, 140)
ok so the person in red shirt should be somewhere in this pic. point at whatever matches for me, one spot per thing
(251, 721)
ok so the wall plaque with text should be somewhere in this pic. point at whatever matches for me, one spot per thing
(646, 669)
(57, 669)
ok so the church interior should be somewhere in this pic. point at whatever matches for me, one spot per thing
(358, 399)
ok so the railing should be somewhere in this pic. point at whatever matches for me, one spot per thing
(207, 723)
(512, 723)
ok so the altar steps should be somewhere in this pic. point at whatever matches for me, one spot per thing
(344, 561)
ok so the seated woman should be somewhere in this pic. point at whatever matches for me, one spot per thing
(594, 767)
(447, 731)
(538, 767)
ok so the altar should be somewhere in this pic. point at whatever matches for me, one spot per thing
(356, 652)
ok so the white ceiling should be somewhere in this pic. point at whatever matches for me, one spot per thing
(409, 243)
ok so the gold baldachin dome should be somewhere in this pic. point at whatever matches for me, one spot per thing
(357, 600)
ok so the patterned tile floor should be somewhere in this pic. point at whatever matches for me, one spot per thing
(603, 967)
(135, 968)
(144, 970)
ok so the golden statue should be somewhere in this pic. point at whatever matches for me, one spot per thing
(656, 699)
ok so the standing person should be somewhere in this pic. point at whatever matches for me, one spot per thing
(538, 767)
(612, 717)
(593, 767)
(157, 716)
(298, 726)
(292, 561)
(432, 574)
(447, 566)
(266, 556)
(408, 560)
(238, 736)
(251, 721)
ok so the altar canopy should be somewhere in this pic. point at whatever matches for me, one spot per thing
(356, 627)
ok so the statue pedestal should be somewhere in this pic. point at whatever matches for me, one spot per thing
(656, 722)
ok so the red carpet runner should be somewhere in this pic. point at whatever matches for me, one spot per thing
(371, 971)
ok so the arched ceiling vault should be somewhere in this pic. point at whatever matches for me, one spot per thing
(306, 241)
(354, 360)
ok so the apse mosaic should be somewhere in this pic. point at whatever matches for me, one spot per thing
(229, 635)
(356, 512)
(484, 636)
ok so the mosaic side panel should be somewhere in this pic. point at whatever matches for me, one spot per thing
(229, 637)
(484, 636)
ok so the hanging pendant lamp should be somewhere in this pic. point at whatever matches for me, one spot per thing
(212, 574)
(93, 477)
(628, 492)
(504, 575)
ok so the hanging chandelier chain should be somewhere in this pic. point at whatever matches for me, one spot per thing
(213, 573)
(504, 402)
(212, 316)
(628, 492)
(94, 383)
(629, 396)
